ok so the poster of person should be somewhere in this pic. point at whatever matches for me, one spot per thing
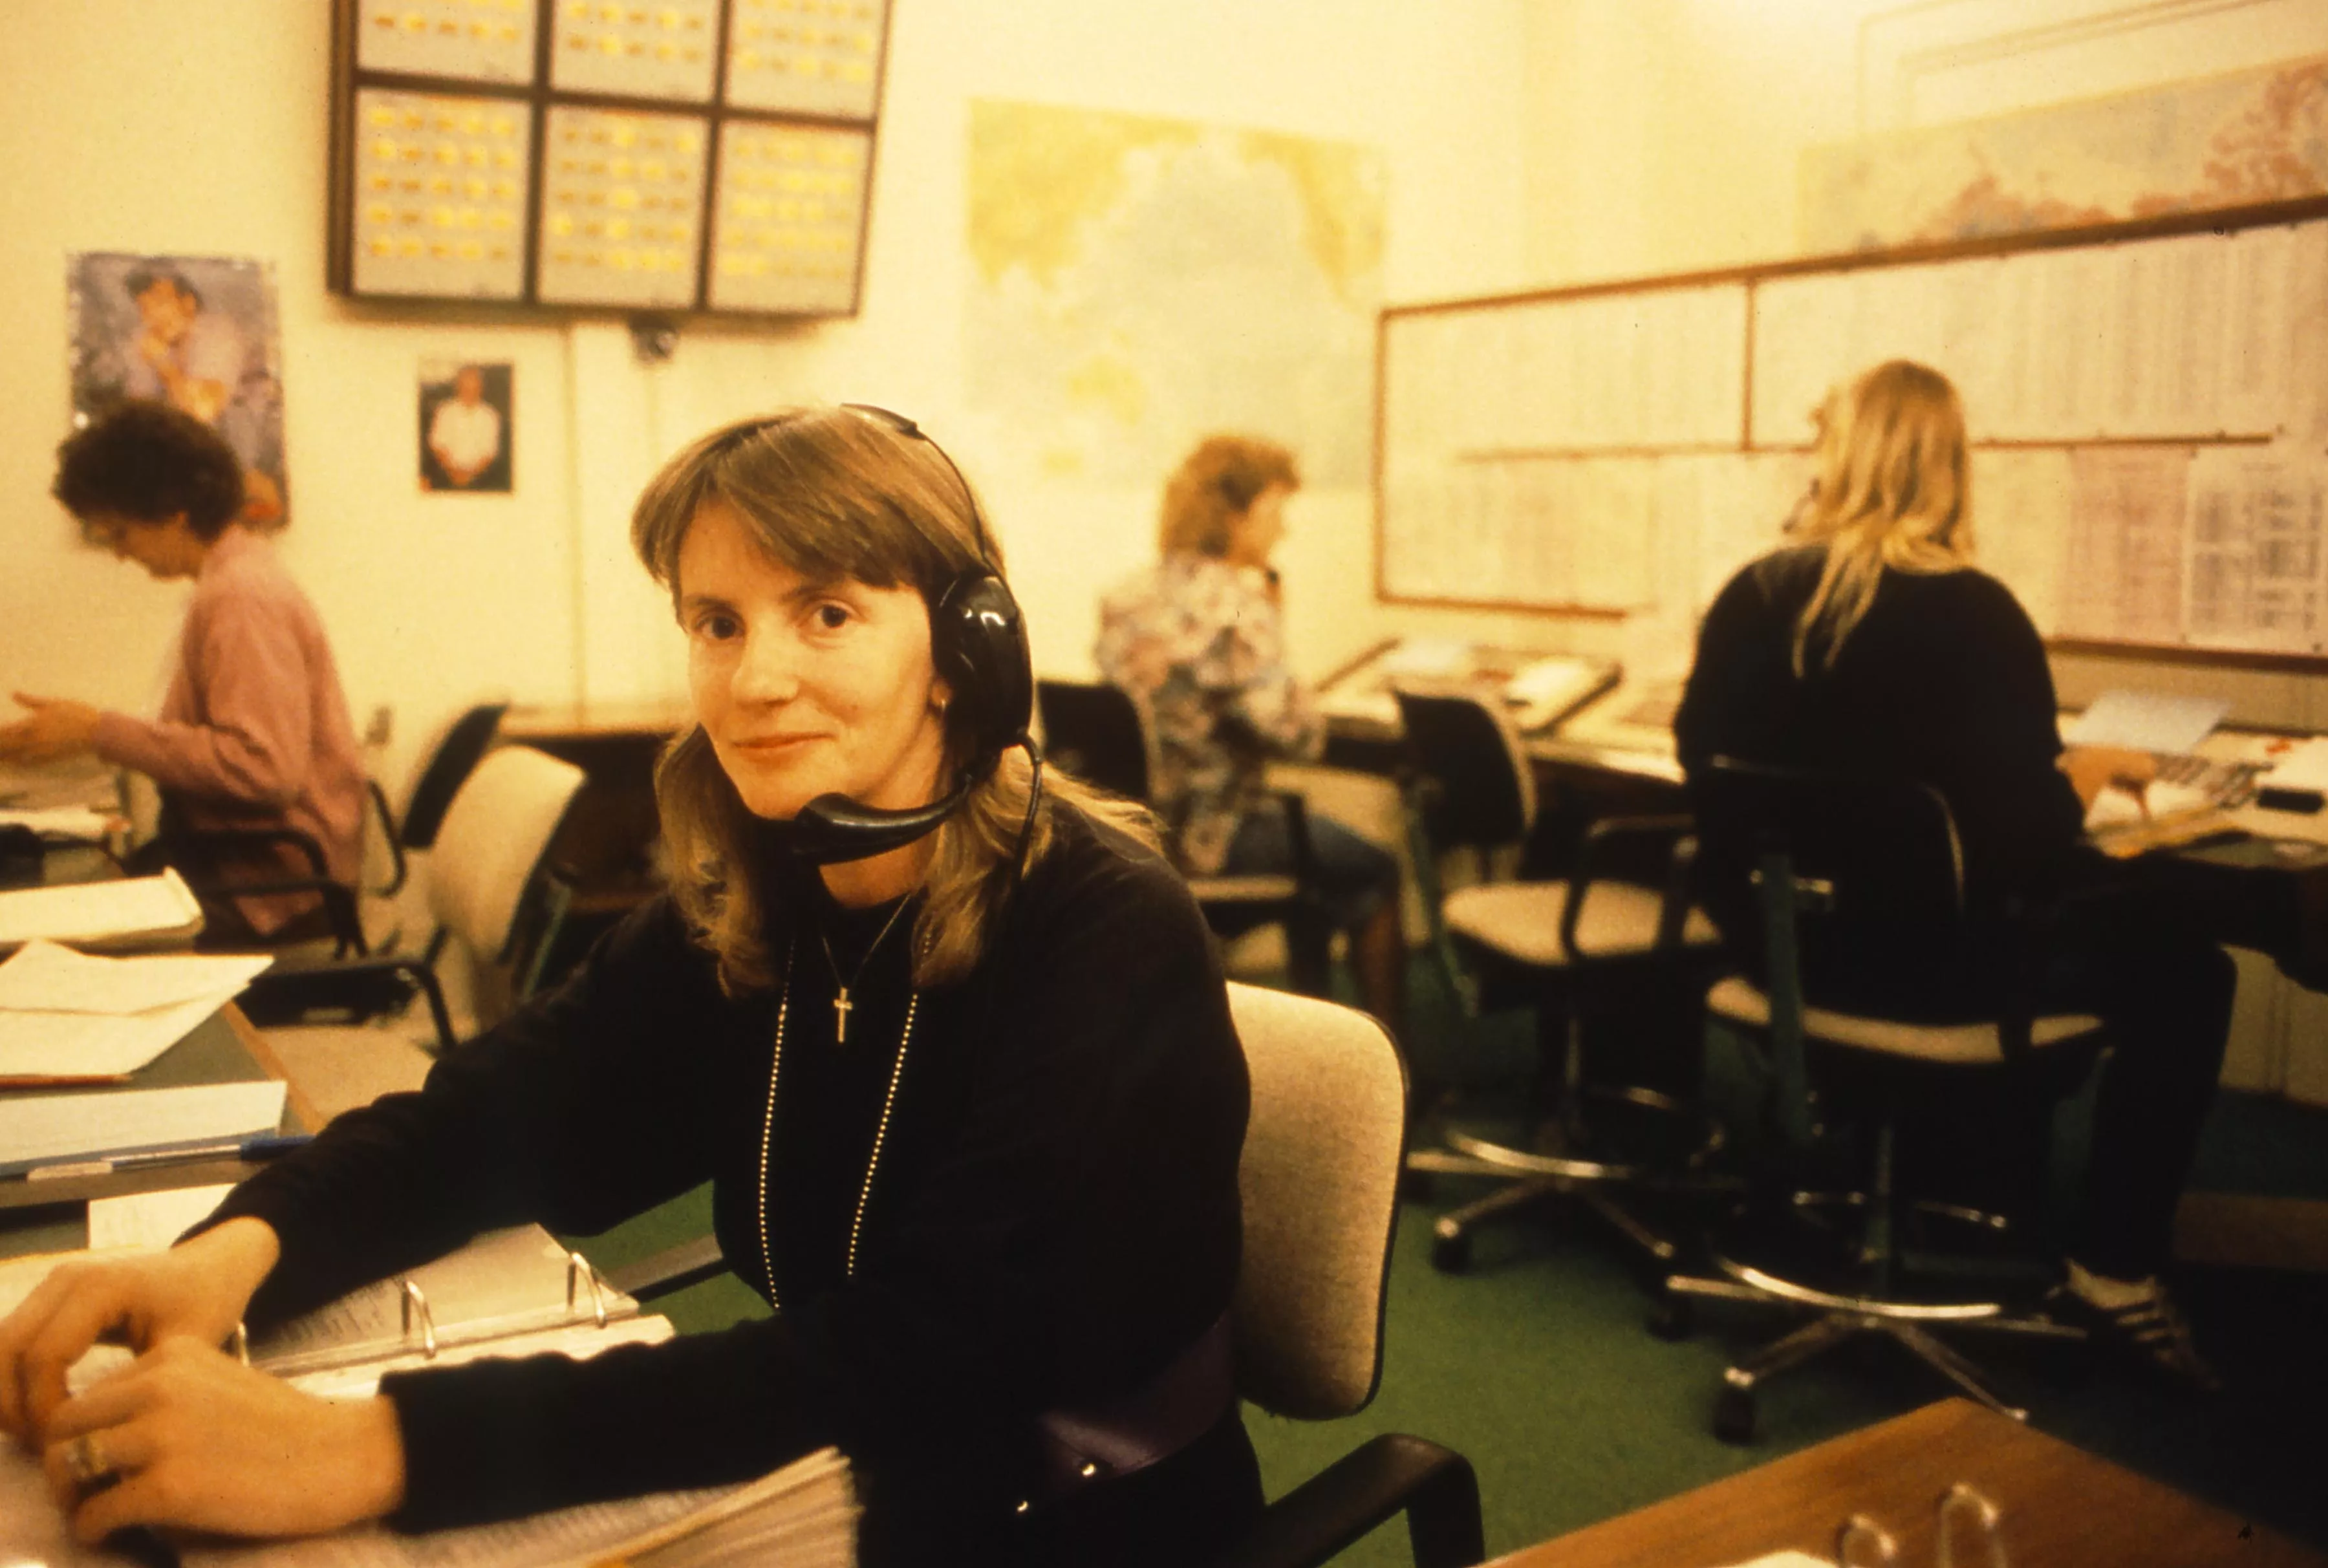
(198, 331)
(465, 425)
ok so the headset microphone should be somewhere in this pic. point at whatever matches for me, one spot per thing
(833, 828)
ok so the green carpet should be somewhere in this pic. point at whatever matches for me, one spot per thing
(1537, 1366)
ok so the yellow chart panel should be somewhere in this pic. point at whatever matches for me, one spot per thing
(791, 216)
(439, 199)
(621, 208)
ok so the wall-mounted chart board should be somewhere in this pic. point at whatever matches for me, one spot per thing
(2147, 403)
(658, 156)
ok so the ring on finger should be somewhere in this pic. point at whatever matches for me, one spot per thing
(86, 1462)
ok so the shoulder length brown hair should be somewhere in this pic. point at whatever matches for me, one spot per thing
(1214, 487)
(832, 493)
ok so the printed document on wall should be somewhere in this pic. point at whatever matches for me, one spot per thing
(2255, 543)
(2124, 584)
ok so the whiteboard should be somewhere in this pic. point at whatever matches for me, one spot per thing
(2148, 406)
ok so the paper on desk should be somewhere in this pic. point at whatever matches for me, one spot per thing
(150, 1220)
(2147, 721)
(43, 977)
(1428, 656)
(88, 911)
(51, 1129)
(37, 1047)
(1549, 680)
(2301, 766)
(81, 824)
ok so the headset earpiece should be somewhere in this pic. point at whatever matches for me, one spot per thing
(977, 643)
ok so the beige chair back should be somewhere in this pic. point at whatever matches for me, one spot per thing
(1319, 1183)
(491, 844)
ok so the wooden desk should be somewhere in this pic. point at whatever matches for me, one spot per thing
(2061, 1507)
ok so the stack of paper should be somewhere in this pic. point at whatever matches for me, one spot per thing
(69, 824)
(137, 912)
(38, 1130)
(68, 1018)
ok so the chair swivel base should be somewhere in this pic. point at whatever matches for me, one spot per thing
(1578, 1160)
(1865, 1297)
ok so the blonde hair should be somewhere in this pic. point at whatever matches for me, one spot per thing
(831, 493)
(1215, 486)
(1893, 488)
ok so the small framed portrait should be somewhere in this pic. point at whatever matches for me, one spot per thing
(197, 332)
(465, 425)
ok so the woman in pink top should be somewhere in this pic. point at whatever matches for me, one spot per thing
(255, 731)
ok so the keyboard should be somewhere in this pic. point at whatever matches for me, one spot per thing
(2197, 780)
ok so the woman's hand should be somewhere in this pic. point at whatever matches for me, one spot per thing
(196, 1291)
(2095, 768)
(200, 1441)
(56, 728)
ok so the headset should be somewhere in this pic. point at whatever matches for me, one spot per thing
(978, 643)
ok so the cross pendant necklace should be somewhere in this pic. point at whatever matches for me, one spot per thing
(841, 1006)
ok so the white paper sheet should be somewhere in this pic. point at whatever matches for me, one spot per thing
(150, 1220)
(43, 977)
(85, 911)
(65, 1044)
(50, 1129)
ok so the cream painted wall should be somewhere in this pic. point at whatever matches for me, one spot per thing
(200, 129)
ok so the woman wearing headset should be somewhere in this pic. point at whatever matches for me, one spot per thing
(972, 1130)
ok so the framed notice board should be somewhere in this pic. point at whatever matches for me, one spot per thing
(649, 155)
(2148, 404)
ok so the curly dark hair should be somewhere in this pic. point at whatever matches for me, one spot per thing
(148, 461)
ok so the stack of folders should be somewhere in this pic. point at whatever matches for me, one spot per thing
(510, 1292)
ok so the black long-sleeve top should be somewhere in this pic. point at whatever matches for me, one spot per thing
(1944, 681)
(1054, 1216)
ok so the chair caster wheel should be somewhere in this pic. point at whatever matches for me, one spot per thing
(1672, 1317)
(1451, 1254)
(1733, 1415)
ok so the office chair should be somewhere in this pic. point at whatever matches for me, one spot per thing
(1318, 1185)
(1100, 733)
(488, 886)
(1593, 943)
(206, 857)
(1816, 877)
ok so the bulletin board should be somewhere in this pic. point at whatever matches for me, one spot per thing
(642, 155)
(2147, 405)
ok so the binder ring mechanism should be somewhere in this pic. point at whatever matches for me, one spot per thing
(1968, 1535)
(416, 1305)
(579, 1270)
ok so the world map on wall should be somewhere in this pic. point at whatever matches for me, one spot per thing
(1140, 282)
(2227, 141)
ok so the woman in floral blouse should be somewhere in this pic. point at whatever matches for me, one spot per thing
(1200, 639)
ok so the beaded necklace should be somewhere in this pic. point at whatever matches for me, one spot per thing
(880, 1130)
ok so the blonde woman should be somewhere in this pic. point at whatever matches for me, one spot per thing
(1872, 644)
(972, 1130)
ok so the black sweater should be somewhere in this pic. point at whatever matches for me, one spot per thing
(1943, 681)
(1054, 1214)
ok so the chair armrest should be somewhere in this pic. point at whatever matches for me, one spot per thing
(1391, 1474)
(1678, 829)
(671, 1270)
(204, 842)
